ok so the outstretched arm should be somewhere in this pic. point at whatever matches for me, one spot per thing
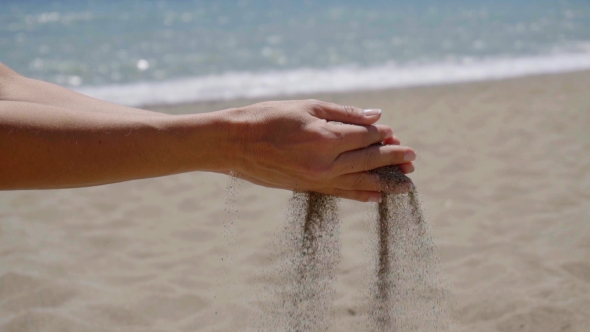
(51, 137)
(15, 87)
(45, 146)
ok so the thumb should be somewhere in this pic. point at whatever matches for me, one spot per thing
(345, 114)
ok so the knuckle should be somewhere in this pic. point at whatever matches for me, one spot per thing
(337, 192)
(327, 140)
(351, 111)
(318, 171)
(358, 181)
(316, 132)
(313, 103)
(371, 136)
(367, 157)
(381, 132)
(332, 133)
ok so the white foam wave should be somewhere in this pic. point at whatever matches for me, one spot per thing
(308, 81)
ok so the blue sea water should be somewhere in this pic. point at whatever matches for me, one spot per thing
(140, 52)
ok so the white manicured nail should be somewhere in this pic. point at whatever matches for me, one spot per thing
(375, 199)
(409, 156)
(372, 112)
(389, 133)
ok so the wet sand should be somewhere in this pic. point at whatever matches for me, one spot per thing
(504, 174)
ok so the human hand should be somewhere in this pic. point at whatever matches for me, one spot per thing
(296, 145)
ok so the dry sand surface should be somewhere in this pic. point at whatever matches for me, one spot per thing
(504, 174)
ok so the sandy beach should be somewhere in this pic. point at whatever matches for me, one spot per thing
(504, 173)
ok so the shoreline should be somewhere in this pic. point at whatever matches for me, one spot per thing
(213, 105)
(300, 81)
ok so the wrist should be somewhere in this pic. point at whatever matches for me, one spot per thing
(238, 130)
(210, 141)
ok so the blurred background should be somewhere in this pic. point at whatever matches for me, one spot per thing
(493, 96)
(258, 48)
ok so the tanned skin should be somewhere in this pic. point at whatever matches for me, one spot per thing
(53, 137)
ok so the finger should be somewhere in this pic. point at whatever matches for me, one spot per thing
(407, 168)
(357, 195)
(345, 114)
(392, 140)
(372, 157)
(353, 137)
(364, 181)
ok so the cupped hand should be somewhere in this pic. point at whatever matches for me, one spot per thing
(311, 145)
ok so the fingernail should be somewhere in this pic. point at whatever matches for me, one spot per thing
(375, 199)
(389, 133)
(372, 112)
(409, 156)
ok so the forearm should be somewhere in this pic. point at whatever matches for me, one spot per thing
(14, 87)
(52, 147)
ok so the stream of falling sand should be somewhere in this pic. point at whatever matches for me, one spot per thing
(407, 293)
(315, 252)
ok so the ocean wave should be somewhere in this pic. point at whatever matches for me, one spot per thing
(236, 85)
